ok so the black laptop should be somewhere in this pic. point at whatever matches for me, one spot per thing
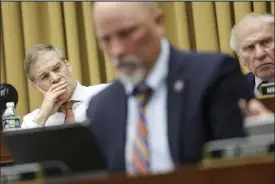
(70, 146)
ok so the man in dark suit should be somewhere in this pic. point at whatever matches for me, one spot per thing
(252, 38)
(250, 77)
(166, 103)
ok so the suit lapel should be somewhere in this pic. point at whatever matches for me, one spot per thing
(252, 84)
(251, 80)
(176, 85)
(117, 133)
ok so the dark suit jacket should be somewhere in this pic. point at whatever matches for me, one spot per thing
(205, 110)
(250, 77)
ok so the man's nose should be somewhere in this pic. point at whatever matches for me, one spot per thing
(260, 53)
(55, 78)
(118, 48)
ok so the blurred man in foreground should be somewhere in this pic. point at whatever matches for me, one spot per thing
(65, 99)
(166, 104)
(252, 38)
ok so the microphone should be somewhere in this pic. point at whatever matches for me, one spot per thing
(8, 93)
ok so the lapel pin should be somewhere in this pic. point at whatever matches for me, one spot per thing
(178, 86)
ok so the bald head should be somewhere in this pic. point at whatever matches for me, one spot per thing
(129, 33)
(144, 4)
(140, 6)
(104, 11)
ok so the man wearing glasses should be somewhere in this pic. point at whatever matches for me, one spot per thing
(65, 99)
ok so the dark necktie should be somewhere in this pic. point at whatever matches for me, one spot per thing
(141, 162)
(259, 87)
(263, 82)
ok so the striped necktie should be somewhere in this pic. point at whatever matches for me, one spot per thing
(140, 162)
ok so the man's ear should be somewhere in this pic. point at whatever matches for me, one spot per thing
(160, 21)
(160, 17)
(68, 65)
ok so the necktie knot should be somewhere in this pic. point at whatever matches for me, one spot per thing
(68, 105)
(143, 92)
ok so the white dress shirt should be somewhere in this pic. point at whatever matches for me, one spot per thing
(82, 95)
(155, 114)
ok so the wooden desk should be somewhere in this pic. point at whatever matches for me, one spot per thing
(254, 170)
(5, 157)
(269, 102)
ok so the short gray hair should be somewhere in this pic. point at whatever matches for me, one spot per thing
(34, 53)
(265, 17)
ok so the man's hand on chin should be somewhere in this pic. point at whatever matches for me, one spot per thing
(51, 103)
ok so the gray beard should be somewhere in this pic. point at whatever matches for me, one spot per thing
(134, 79)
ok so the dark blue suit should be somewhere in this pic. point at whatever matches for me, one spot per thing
(205, 110)
(250, 77)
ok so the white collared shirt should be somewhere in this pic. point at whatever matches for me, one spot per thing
(155, 114)
(82, 95)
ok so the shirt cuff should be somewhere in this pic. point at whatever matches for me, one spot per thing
(29, 123)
